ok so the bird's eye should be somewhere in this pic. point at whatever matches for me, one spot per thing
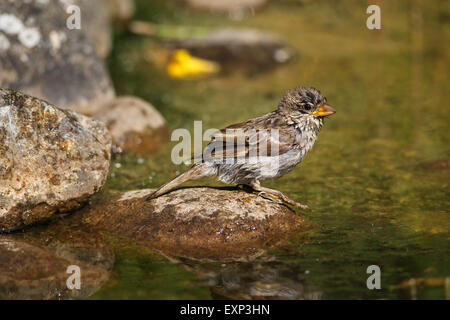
(307, 107)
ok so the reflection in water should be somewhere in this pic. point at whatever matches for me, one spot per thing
(413, 285)
(262, 278)
(33, 265)
(261, 281)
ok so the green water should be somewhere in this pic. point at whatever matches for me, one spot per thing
(373, 179)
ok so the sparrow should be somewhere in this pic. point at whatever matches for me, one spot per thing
(262, 148)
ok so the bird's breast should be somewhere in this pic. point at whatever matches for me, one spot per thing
(306, 133)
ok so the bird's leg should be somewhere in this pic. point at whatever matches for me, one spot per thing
(275, 194)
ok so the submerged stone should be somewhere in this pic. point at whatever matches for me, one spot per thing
(51, 160)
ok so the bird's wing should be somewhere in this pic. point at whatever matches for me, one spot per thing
(250, 139)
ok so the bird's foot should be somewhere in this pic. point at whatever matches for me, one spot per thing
(282, 200)
(270, 197)
(293, 203)
(265, 195)
(301, 206)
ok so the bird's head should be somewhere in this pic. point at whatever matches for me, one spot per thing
(305, 103)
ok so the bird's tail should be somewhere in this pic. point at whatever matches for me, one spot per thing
(195, 172)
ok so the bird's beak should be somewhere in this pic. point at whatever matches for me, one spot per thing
(324, 111)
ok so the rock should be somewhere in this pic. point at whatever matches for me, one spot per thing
(204, 223)
(245, 50)
(121, 10)
(34, 265)
(134, 124)
(51, 160)
(237, 9)
(41, 56)
(96, 23)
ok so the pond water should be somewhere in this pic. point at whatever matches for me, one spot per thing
(377, 179)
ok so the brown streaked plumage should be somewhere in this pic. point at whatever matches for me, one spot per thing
(297, 121)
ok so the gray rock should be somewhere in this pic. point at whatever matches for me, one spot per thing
(51, 160)
(96, 23)
(41, 56)
(244, 50)
(200, 223)
(134, 124)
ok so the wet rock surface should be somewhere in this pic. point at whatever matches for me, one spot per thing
(41, 56)
(245, 50)
(34, 265)
(134, 124)
(51, 160)
(206, 223)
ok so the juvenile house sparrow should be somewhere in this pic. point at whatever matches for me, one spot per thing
(291, 130)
